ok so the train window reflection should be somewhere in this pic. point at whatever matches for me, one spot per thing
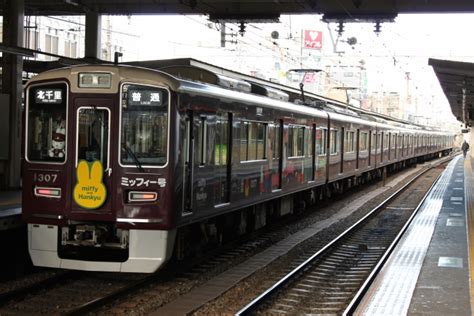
(46, 119)
(364, 141)
(321, 141)
(253, 141)
(334, 142)
(144, 125)
(349, 140)
(296, 141)
(93, 134)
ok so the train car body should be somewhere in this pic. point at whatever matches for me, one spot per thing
(120, 160)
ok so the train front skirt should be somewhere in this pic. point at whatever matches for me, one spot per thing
(148, 251)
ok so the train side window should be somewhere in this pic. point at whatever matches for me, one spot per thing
(201, 152)
(221, 140)
(296, 141)
(373, 142)
(378, 141)
(253, 144)
(349, 142)
(275, 141)
(364, 141)
(346, 141)
(244, 135)
(386, 141)
(334, 142)
(309, 141)
(261, 137)
(253, 141)
(321, 141)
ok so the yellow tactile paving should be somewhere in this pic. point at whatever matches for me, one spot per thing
(469, 196)
(10, 202)
(393, 289)
(10, 198)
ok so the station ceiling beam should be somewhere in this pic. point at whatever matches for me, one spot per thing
(342, 9)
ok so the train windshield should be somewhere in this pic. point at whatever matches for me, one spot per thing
(144, 126)
(46, 119)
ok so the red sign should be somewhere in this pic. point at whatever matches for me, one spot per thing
(313, 39)
(309, 77)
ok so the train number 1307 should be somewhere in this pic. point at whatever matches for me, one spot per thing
(44, 177)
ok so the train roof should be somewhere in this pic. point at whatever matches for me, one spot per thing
(195, 67)
(197, 74)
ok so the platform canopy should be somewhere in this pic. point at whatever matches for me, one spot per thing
(249, 10)
(457, 80)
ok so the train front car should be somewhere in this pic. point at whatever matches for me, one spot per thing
(96, 175)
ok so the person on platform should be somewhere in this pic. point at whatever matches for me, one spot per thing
(465, 148)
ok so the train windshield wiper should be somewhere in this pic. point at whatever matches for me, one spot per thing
(134, 157)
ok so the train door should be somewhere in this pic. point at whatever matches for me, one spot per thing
(206, 161)
(222, 156)
(198, 169)
(188, 165)
(92, 176)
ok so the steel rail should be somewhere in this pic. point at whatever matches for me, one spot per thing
(101, 301)
(21, 292)
(257, 302)
(370, 279)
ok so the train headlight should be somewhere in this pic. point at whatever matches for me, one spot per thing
(137, 196)
(95, 80)
(48, 192)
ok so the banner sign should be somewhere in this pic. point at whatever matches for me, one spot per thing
(313, 39)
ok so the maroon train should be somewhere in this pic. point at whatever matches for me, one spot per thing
(127, 166)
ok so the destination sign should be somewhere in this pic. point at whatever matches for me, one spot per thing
(49, 96)
(150, 97)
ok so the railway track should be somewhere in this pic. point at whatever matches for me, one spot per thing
(72, 296)
(333, 279)
(20, 292)
(70, 293)
(89, 292)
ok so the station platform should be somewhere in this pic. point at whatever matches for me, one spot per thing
(10, 210)
(13, 237)
(429, 271)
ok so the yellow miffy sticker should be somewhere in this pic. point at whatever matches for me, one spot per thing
(89, 191)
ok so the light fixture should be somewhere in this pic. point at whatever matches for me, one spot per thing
(48, 192)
